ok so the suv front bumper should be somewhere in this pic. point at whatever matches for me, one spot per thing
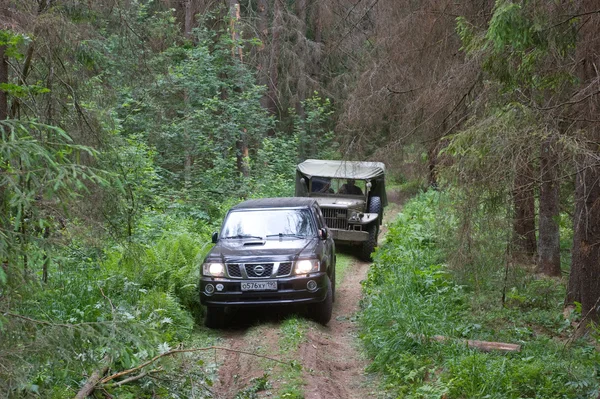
(290, 290)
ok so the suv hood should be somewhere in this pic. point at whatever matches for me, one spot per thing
(272, 249)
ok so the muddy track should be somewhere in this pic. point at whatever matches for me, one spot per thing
(333, 366)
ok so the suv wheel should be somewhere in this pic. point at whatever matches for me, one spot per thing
(332, 279)
(321, 312)
(215, 317)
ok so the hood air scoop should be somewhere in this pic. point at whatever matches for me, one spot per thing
(254, 243)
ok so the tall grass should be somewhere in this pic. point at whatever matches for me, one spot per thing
(411, 294)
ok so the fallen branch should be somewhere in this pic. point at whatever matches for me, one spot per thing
(137, 377)
(176, 351)
(90, 384)
(96, 379)
(485, 346)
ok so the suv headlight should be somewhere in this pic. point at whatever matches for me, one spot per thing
(214, 269)
(307, 266)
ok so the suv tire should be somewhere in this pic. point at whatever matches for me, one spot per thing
(215, 317)
(321, 311)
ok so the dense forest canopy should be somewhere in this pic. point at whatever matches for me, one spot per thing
(128, 127)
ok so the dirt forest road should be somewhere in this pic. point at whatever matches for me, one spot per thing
(332, 365)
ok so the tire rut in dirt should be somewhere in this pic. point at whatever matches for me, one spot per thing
(333, 364)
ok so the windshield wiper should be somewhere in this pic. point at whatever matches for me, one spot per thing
(244, 236)
(287, 235)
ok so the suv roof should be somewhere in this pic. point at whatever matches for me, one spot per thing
(285, 202)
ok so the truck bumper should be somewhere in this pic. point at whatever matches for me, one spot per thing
(349, 235)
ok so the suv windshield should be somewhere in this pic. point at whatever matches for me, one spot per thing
(261, 223)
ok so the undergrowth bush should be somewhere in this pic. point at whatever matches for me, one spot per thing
(411, 295)
(129, 303)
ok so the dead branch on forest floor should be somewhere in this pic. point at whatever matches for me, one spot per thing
(95, 381)
(486, 346)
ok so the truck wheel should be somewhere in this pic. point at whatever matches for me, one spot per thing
(369, 246)
(375, 207)
(321, 312)
(215, 317)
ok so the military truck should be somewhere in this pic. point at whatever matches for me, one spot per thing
(351, 195)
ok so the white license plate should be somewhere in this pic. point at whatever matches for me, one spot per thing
(260, 286)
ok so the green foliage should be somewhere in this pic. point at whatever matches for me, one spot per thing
(41, 171)
(293, 333)
(411, 296)
(314, 129)
(258, 384)
(13, 42)
(274, 167)
(521, 43)
(131, 303)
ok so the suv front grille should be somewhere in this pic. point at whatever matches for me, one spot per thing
(336, 218)
(284, 269)
(234, 270)
(259, 270)
(249, 270)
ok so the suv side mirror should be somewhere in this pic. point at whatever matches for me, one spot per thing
(323, 233)
(215, 237)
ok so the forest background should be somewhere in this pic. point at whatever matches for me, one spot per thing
(130, 126)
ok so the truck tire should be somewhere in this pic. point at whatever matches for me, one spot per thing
(369, 246)
(375, 207)
(215, 317)
(321, 311)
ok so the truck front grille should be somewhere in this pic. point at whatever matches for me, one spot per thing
(336, 218)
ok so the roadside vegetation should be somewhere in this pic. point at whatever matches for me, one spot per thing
(128, 128)
(416, 290)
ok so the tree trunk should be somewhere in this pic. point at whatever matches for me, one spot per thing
(3, 79)
(524, 202)
(549, 238)
(584, 281)
(263, 56)
(274, 57)
(303, 54)
(432, 161)
(189, 18)
(234, 21)
(241, 152)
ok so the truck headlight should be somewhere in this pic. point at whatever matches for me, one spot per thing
(307, 266)
(214, 269)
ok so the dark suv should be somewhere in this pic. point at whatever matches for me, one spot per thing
(270, 251)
